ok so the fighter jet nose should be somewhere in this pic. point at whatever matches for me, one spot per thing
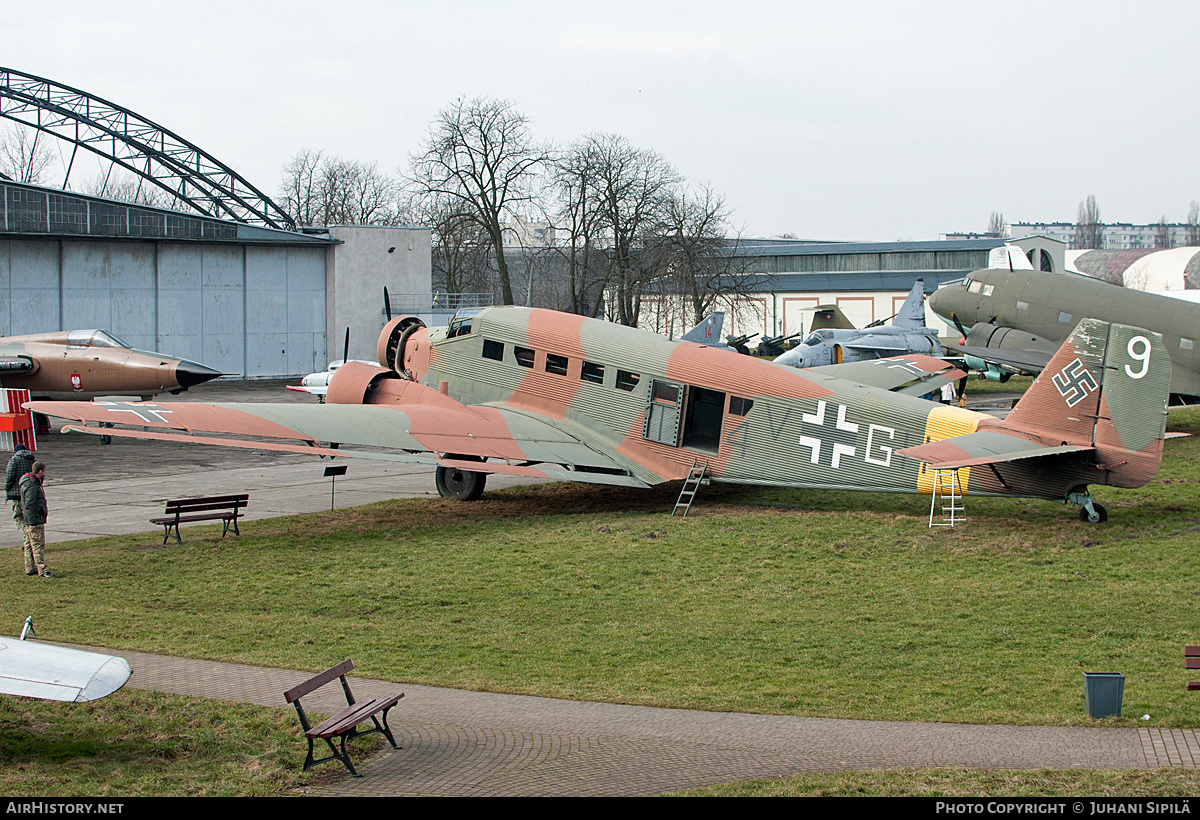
(188, 374)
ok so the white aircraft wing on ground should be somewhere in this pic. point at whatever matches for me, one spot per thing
(38, 670)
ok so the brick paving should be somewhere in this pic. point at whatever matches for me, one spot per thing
(478, 743)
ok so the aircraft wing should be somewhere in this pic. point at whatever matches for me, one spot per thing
(433, 429)
(913, 374)
(983, 447)
(878, 343)
(1021, 361)
(37, 670)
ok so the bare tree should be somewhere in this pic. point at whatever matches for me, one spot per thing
(996, 225)
(301, 187)
(703, 266)
(122, 185)
(1193, 224)
(577, 222)
(24, 155)
(626, 197)
(461, 249)
(1162, 234)
(1088, 228)
(480, 154)
(321, 190)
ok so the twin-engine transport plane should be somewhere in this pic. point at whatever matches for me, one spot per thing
(534, 392)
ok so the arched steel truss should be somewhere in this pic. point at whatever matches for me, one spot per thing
(133, 142)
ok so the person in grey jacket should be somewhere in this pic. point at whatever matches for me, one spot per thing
(18, 466)
(34, 510)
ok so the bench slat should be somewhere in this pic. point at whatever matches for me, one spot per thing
(352, 716)
(1191, 651)
(316, 682)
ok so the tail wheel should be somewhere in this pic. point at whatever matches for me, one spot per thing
(1098, 516)
(453, 482)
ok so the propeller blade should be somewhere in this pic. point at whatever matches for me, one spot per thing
(959, 325)
(387, 304)
(346, 347)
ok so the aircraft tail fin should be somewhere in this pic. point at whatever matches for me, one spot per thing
(912, 312)
(1107, 386)
(708, 332)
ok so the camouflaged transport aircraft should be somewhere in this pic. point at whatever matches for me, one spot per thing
(534, 392)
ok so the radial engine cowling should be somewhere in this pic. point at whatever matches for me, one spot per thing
(356, 382)
(394, 340)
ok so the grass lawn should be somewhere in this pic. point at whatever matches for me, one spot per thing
(135, 743)
(835, 604)
(762, 600)
(968, 783)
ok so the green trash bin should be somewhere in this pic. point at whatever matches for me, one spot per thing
(1103, 692)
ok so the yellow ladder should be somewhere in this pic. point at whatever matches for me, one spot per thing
(947, 488)
(696, 476)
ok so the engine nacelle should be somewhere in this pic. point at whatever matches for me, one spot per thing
(356, 382)
(393, 341)
(998, 337)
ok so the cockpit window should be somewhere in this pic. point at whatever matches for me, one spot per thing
(817, 337)
(974, 286)
(460, 325)
(93, 338)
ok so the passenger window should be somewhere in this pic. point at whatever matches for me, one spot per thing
(1064, 317)
(626, 380)
(739, 406)
(493, 350)
(593, 373)
(556, 364)
(524, 356)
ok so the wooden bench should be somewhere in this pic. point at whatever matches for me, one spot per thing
(223, 507)
(1191, 660)
(343, 725)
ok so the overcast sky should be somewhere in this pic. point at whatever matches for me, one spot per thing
(850, 120)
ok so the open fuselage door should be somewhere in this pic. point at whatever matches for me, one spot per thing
(673, 408)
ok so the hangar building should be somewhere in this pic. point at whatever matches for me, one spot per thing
(250, 301)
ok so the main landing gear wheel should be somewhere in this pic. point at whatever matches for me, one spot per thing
(465, 485)
(1098, 515)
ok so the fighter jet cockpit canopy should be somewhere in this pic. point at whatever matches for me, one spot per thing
(94, 338)
(818, 336)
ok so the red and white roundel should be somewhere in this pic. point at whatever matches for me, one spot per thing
(76, 381)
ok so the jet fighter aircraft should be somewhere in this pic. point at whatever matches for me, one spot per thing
(535, 392)
(834, 346)
(1018, 319)
(84, 364)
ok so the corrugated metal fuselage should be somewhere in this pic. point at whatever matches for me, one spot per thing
(749, 420)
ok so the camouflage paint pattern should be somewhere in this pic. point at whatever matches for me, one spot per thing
(536, 392)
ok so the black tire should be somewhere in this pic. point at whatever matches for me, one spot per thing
(1101, 515)
(465, 485)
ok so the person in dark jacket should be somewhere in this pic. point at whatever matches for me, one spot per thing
(34, 510)
(18, 466)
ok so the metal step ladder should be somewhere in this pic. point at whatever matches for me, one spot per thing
(946, 487)
(696, 476)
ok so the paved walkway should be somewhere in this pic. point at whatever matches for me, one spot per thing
(476, 743)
